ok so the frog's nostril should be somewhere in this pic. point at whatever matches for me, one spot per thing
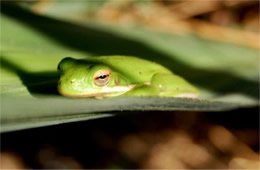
(72, 81)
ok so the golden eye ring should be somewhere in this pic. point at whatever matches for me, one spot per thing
(101, 77)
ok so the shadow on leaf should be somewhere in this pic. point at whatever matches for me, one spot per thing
(36, 83)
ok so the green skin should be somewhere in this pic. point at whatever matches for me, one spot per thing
(128, 76)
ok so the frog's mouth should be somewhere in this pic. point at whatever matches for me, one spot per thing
(104, 92)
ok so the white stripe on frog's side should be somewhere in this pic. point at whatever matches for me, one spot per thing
(115, 91)
(187, 95)
(105, 92)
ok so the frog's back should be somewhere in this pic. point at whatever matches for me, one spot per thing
(138, 69)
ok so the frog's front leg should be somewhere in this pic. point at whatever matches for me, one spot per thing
(145, 89)
(151, 88)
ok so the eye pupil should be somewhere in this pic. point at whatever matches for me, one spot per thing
(102, 76)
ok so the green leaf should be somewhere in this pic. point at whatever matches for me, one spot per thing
(32, 46)
(19, 113)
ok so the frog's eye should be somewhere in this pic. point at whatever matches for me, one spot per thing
(101, 77)
(66, 63)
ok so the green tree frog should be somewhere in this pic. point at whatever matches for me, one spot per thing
(110, 76)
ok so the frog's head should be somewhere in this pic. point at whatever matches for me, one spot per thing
(80, 78)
